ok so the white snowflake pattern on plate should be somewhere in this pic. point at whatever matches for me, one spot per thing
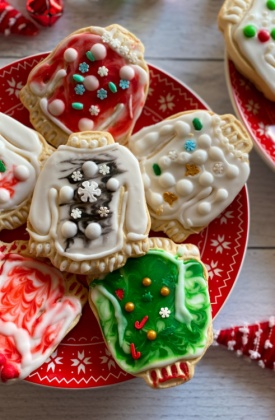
(81, 362)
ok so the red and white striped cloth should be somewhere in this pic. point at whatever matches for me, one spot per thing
(13, 22)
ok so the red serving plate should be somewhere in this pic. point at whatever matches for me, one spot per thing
(82, 359)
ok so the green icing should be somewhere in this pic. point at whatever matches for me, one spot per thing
(182, 335)
(249, 31)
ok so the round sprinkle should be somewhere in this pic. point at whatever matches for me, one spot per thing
(181, 128)
(69, 229)
(129, 307)
(151, 335)
(204, 141)
(146, 281)
(112, 184)
(85, 124)
(66, 194)
(270, 4)
(56, 107)
(21, 172)
(263, 35)
(70, 55)
(199, 157)
(221, 194)
(91, 83)
(165, 291)
(4, 195)
(249, 31)
(184, 187)
(77, 105)
(156, 199)
(89, 169)
(232, 171)
(204, 208)
(167, 180)
(216, 153)
(126, 73)
(93, 231)
(206, 179)
(99, 51)
(112, 87)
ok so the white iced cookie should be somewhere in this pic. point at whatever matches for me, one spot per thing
(22, 154)
(193, 165)
(249, 32)
(89, 213)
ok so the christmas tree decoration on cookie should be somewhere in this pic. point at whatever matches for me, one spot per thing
(12, 22)
(155, 313)
(255, 341)
(39, 306)
(193, 166)
(88, 213)
(98, 80)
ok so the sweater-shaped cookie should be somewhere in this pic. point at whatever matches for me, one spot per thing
(155, 313)
(88, 212)
(39, 306)
(22, 154)
(249, 32)
(95, 79)
(193, 165)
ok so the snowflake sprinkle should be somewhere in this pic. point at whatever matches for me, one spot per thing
(123, 50)
(173, 154)
(103, 169)
(77, 176)
(103, 211)
(102, 94)
(83, 67)
(132, 57)
(218, 168)
(115, 43)
(76, 213)
(103, 71)
(190, 145)
(124, 84)
(106, 37)
(89, 191)
(94, 110)
(79, 89)
(165, 312)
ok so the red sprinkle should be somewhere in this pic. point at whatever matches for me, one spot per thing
(119, 293)
(263, 35)
(135, 354)
(140, 325)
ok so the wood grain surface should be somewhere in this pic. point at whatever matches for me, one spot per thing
(181, 37)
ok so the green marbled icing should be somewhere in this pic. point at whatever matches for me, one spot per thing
(181, 336)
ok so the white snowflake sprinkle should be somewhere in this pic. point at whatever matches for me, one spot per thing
(103, 169)
(218, 168)
(123, 50)
(173, 154)
(106, 37)
(102, 71)
(76, 213)
(165, 312)
(132, 57)
(94, 110)
(89, 191)
(77, 176)
(103, 211)
(115, 43)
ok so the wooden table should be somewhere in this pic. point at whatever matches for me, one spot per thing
(181, 37)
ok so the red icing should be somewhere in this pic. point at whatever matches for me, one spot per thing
(120, 293)
(135, 354)
(140, 325)
(167, 376)
(8, 181)
(263, 35)
(65, 88)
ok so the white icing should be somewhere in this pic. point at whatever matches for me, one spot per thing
(200, 196)
(4, 195)
(127, 73)
(99, 51)
(85, 124)
(93, 231)
(91, 83)
(56, 107)
(127, 212)
(41, 89)
(70, 55)
(21, 172)
(259, 55)
(69, 229)
(89, 169)
(44, 107)
(66, 194)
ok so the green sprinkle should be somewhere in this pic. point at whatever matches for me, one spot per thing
(147, 297)
(77, 105)
(78, 78)
(197, 124)
(112, 87)
(270, 4)
(249, 31)
(156, 169)
(272, 33)
(90, 56)
(2, 166)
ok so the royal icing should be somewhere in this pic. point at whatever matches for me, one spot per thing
(36, 313)
(20, 150)
(154, 311)
(191, 171)
(89, 200)
(94, 80)
(254, 35)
